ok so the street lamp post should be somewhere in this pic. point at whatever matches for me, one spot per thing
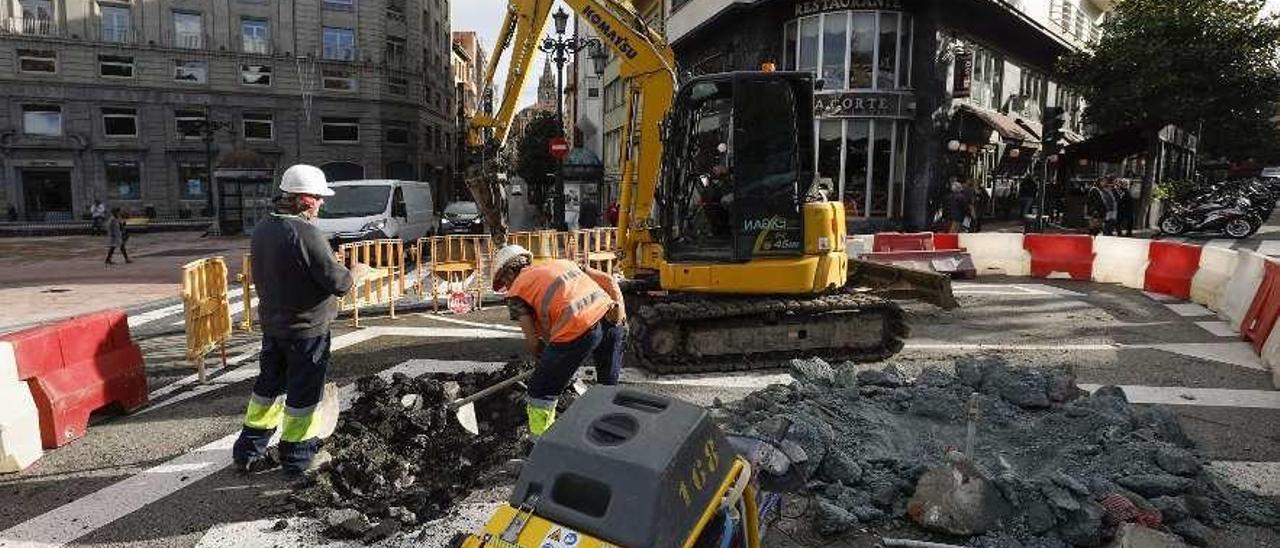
(560, 47)
(209, 129)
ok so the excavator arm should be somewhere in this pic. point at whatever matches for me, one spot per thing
(647, 67)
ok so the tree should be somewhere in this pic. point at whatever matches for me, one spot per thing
(534, 161)
(1211, 64)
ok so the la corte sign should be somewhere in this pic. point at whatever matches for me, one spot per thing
(810, 7)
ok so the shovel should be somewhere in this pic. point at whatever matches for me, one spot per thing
(465, 410)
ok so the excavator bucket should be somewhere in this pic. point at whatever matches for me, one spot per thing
(902, 283)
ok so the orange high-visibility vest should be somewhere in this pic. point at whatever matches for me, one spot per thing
(566, 300)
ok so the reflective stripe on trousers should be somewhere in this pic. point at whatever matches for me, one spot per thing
(264, 413)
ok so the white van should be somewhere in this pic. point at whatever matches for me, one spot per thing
(373, 209)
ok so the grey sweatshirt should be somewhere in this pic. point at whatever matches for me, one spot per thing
(296, 276)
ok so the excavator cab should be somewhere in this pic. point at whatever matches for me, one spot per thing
(738, 165)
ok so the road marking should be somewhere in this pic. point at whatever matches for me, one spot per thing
(1269, 247)
(1189, 310)
(1011, 289)
(164, 312)
(1218, 328)
(1262, 478)
(448, 319)
(1199, 397)
(1225, 244)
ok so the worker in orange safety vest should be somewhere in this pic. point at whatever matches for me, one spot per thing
(567, 313)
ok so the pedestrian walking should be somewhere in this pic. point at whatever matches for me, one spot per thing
(298, 281)
(1096, 207)
(958, 208)
(567, 312)
(117, 236)
(1112, 209)
(97, 215)
(1124, 208)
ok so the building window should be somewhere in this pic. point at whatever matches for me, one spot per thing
(397, 85)
(255, 36)
(43, 120)
(339, 5)
(258, 126)
(855, 50)
(190, 72)
(337, 79)
(189, 124)
(37, 17)
(119, 122)
(339, 44)
(395, 52)
(188, 30)
(397, 134)
(340, 130)
(191, 180)
(124, 180)
(1031, 93)
(988, 79)
(37, 61)
(593, 92)
(115, 66)
(255, 75)
(115, 23)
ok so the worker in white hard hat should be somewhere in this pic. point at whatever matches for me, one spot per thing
(298, 281)
(567, 313)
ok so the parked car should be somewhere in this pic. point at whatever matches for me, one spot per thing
(461, 218)
(375, 209)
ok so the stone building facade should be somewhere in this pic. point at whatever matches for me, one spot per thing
(114, 100)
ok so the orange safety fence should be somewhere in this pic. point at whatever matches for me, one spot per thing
(456, 267)
(206, 310)
(547, 244)
(246, 283)
(383, 285)
(598, 248)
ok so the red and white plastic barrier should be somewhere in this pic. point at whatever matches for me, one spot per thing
(68, 369)
(1243, 287)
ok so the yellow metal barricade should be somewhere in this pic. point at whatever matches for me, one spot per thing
(452, 264)
(547, 244)
(206, 311)
(246, 283)
(384, 285)
(599, 248)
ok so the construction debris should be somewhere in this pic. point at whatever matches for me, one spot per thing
(1052, 466)
(401, 459)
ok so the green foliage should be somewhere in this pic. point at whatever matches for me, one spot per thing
(534, 160)
(1211, 64)
(1172, 190)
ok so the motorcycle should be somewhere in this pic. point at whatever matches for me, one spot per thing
(1233, 216)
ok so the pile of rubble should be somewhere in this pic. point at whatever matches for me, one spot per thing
(1049, 466)
(400, 458)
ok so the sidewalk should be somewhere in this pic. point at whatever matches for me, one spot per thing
(45, 278)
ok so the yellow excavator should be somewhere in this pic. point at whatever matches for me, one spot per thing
(733, 256)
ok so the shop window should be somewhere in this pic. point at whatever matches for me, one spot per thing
(898, 188)
(42, 120)
(830, 132)
(340, 130)
(192, 180)
(906, 48)
(790, 40)
(881, 166)
(862, 45)
(124, 180)
(115, 66)
(120, 122)
(834, 43)
(337, 79)
(258, 126)
(887, 58)
(189, 124)
(190, 72)
(857, 144)
(255, 75)
(37, 61)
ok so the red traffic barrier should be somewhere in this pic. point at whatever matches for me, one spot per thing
(898, 241)
(1264, 311)
(97, 364)
(1170, 268)
(1066, 253)
(946, 242)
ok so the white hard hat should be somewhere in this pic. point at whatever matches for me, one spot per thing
(504, 255)
(305, 179)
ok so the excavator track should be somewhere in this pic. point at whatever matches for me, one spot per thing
(695, 333)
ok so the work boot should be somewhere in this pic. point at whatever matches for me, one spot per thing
(257, 465)
(318, 461)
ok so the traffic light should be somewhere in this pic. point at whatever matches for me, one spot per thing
(1052, 122)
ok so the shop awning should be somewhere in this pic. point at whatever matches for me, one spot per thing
(1005, 125)
(1113, 146)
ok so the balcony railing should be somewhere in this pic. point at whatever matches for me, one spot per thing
(30, 27)
(119, 36)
